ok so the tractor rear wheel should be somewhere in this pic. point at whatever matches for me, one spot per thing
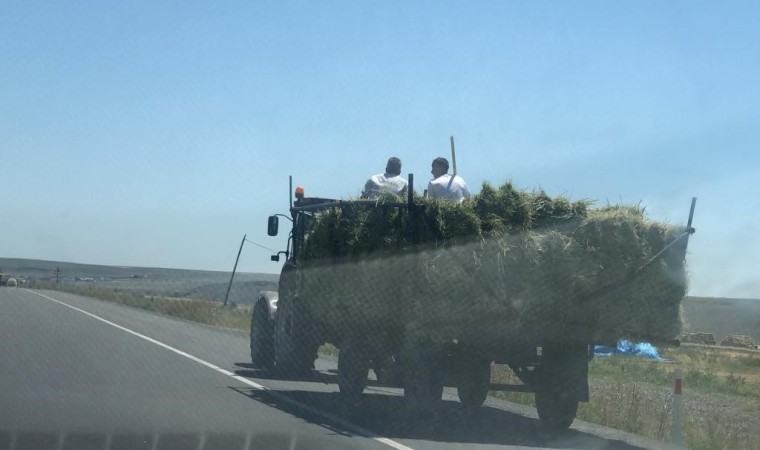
(294, 350)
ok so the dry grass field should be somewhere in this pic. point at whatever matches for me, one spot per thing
(148, 281)
(722, 316)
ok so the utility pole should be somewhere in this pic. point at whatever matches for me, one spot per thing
(57, 274)
(227, 295)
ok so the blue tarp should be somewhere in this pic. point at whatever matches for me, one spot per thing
(628, 348)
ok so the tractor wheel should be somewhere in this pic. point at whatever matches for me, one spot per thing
(422, 393)
(353, 369)
(473, 385)
(294, 350)
(262, 337)
(423, 381)
(556, 411)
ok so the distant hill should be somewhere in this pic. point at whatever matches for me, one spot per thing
(201, 284)
(722, 316)
(44, 269)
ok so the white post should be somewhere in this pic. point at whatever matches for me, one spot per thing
(676, 430)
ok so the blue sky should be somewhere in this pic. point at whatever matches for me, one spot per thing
(158, 133)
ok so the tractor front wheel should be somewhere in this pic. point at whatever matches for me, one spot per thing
(262, 336)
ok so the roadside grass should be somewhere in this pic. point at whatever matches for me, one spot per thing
(620, 398)
(201, 311)
(705, 370)
(740, 368)
(620, 406)
(712, 436)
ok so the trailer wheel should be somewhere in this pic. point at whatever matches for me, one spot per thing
(473, 385)
(353, 369)
(422, 396)
(262, 337)
(423, 382)
(555, 410)
(294, 351)
(388, 371)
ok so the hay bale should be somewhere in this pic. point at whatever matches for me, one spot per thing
(738, 340)
(12, 282)
(504, 263)
(618, 241)
(699, 338)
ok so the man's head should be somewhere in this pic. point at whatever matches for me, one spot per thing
(394, 166)
(440, 167)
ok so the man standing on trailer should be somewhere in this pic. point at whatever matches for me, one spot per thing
(390, 181)
(445, 186)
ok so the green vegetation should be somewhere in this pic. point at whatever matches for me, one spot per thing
(518, 257)
(329, 349)
(701, 378)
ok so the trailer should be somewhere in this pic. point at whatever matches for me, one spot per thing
(286, 332)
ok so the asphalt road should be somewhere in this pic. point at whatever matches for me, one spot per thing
(80, 373)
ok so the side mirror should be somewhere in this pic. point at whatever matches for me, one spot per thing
(273, 225)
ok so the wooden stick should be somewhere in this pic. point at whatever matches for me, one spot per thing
(453, 162)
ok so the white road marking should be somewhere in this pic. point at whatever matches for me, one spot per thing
(355, 428)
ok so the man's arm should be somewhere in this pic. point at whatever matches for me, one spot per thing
(367, 188)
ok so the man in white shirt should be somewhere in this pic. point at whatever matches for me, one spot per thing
(390, 181)
(445, 186)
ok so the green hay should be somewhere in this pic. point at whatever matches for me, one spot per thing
(505, 264)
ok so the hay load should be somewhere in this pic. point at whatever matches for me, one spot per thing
(505, 264)
(699, 338)
(738, 340)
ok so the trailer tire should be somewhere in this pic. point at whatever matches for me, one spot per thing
(423, 382)
(262, 337)
(388, 371)
(422, 396)
(353, 370)
(473, 385)
(293, 349)
(555, 410)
